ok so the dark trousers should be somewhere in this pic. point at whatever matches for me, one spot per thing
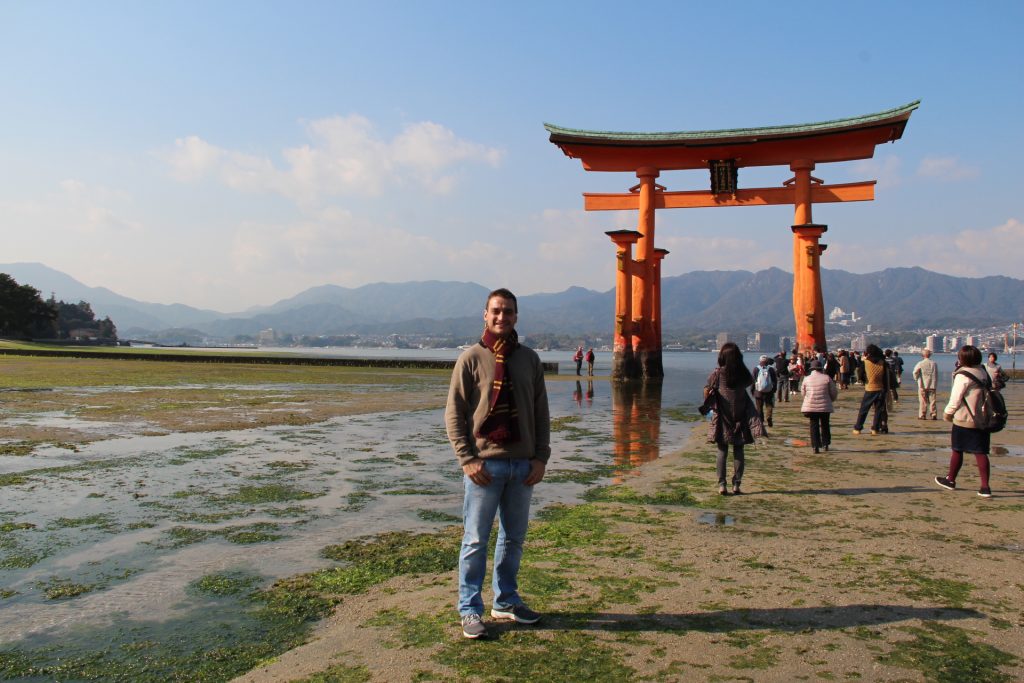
(737, 463)
(782, 393)
(881, 418)
(765, 404)
(821, 431)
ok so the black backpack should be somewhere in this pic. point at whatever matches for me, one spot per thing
(991, 415)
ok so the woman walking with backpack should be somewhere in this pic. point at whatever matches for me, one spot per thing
(965, 402)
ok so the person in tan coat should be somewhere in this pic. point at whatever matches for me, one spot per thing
(877, 383)
(926, 372)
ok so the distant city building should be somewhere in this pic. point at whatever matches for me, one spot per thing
(932, 343)
(786, 345)
(952, 343)
(739, 339)
(970, 340)
(267, 336)
(859, 343)
(766, 342)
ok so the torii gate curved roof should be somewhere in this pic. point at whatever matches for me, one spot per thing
(826, 141)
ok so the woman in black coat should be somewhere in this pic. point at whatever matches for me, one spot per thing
(733, 410)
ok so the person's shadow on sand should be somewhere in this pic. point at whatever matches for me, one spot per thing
(790, 619)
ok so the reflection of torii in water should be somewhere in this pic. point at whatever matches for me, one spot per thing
(637, 353)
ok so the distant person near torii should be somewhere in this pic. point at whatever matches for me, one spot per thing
(926, 372)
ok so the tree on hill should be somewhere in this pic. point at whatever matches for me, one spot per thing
(23, 313)
(79, 320)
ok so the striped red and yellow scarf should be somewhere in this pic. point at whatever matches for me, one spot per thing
(502, 422)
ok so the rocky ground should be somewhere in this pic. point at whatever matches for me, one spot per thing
(849, 565)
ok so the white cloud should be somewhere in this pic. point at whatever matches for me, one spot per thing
(689, 253)
(344, 157)
(992, 251)
(74, 209)
(969, 253)
(946, 168)
(192, 158)
(886, 170)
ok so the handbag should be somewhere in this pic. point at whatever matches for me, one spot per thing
(710, 395)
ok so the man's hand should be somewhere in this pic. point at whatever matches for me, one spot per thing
(536, 473)
(948, 417)
(476, 472)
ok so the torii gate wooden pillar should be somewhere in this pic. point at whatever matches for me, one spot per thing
(638, 338)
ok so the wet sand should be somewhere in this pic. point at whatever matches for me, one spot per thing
(850, 565)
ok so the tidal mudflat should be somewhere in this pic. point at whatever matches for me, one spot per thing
(139, 536)
(849, 565)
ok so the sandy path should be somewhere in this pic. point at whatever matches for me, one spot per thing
(850, 565)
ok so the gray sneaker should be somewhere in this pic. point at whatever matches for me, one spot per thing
(520, 613)
(473, 626)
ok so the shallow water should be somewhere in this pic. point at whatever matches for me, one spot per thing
(134, 520)
(716, 519)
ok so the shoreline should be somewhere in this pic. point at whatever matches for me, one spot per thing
(847, 565)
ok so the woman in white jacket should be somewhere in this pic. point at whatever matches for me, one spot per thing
(964, 402)
(819, 391)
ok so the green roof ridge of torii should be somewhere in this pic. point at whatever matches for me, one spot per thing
(728, 133)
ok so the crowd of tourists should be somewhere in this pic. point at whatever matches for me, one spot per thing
(975, 406)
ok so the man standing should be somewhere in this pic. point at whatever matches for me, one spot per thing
(765, 380)
(892, 365)
(926, 372)
(499, 426)
(782, 372)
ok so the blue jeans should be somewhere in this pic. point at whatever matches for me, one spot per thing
(509, 498)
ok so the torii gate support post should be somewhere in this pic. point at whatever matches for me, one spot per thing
(623, 361)
(646, 286)
(808, 300)
(659, 256)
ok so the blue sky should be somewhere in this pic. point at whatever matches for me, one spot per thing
(230, 154)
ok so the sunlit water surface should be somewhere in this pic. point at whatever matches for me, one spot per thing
(136, 519)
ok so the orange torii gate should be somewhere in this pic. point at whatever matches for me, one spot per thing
(637, 352)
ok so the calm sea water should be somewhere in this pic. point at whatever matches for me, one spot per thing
(685, 371)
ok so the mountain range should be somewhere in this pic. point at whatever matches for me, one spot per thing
(700, 301)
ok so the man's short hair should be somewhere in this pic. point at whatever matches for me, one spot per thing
(504, 294)
(927, 353)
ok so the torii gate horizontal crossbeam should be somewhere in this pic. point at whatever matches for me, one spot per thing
(759, 196)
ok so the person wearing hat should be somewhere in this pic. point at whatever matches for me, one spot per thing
(765, 381)
(819, 391)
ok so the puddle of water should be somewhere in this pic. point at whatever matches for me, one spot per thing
(716, 518)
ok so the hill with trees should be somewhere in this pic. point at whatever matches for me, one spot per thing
(25, 315)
